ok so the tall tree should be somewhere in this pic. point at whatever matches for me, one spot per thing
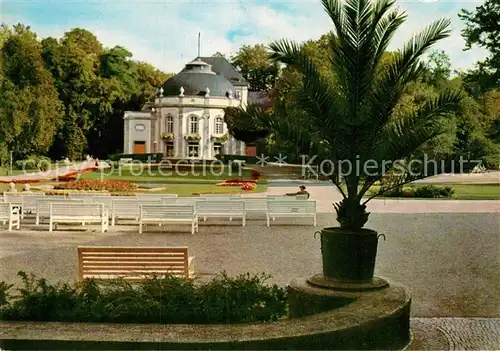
(482, 28)
(438, 66)
(355, 121)
(256, 67)
(30, 111)
(76, 64)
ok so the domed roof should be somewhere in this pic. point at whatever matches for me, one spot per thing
(195, 78)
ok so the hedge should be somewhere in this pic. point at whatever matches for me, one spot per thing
(245, 298)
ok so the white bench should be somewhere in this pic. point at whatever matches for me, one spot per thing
(43, 208)
(73, 212)
(153, 197)
(255, 205)
(291, 209)
(182, 201)
(161, 214)
(287, 197)
(124, 209)
(9, 213)
(133, 263)
(89, 194)
(221, 195)
(107, 201)
(222, 208)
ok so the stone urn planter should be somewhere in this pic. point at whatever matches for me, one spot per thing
(349, 255)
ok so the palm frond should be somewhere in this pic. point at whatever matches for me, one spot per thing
(403, 69)
(406, 134)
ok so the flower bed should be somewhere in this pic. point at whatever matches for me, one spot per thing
(246, 185)
(67, 192)
(99, 185)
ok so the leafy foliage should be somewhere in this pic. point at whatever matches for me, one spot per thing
(357, 119)
(30, 111)
(245, 298)
(482, 28)
(427, 191)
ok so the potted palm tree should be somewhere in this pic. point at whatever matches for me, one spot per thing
(353, 120)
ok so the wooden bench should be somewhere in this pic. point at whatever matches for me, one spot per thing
(222, 209)
(73, 212)
(161, 214)
(133, 263)
(291, 209)
(9, 213)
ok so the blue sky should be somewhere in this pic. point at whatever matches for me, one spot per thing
(165, 33)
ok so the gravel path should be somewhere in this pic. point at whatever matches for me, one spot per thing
(450, 261)
(455, 334)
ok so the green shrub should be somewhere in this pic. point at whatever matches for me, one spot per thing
(33, 162)
(433, 191)
(241, 299)
(426, 191)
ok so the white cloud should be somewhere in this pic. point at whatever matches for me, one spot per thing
(165, 33)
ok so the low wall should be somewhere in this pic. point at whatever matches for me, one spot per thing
(376, 319)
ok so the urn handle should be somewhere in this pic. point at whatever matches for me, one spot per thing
(381, 235)
(316, 232)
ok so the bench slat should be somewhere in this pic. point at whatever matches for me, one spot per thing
(167, 261)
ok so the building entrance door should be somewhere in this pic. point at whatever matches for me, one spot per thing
(139, 147)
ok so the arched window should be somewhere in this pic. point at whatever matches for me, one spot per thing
(169, 124)
(193, 124)
(219, 125)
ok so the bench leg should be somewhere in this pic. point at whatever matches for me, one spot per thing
(244, 220)
(140, 227)
(10, 225)
(51, 224)
(267, 220)
(192, 227)
(18, 223)
(314, 219)
(37, 220)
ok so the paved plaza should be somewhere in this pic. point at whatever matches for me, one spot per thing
(449, 260)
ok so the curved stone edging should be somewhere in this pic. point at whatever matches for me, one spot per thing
(372, 314)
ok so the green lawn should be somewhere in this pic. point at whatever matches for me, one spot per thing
(171, 177)
(462, 191)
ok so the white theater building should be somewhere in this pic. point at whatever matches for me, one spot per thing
(186, 119)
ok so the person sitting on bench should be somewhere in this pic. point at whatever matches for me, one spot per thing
(302, 191)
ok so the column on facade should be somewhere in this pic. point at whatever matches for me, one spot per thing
(210, 144)
(161, 129)
(201, 129)
(126, 137)
(181, 133)
(152, 136)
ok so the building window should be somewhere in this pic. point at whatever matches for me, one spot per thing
(169, 149)
(217, 149)
(219, 125)
(193, 124)
(170, 125)
(193, 149)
